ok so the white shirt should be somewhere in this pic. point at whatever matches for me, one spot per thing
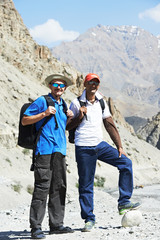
(89, 132)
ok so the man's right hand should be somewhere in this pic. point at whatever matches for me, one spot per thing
(82, 112)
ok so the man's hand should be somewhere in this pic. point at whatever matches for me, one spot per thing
(120, 150)
(70, 113)
(50, 110)
(82, 112)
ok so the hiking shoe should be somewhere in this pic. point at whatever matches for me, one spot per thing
(88, 226)
(61, 229)
(129, 206)
(36, 233)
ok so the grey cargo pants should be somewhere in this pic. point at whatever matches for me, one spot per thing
(50, 179)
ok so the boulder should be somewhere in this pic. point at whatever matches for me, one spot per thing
(131, 218)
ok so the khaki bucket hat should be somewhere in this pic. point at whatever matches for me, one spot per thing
(58, 77)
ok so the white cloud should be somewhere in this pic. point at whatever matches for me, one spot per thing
(51, 31)
(153, 13)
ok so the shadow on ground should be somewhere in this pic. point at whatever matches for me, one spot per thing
(15, 235)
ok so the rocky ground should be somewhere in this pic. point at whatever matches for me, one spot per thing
(14, 223)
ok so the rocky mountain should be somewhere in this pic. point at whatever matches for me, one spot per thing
(23, 66)
(23, 52)
(150, 132)
(136, 122)
(127, 59)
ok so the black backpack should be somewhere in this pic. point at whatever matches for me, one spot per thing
(28, 136)
(71, 135)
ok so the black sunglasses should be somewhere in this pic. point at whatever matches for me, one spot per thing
(93, 82)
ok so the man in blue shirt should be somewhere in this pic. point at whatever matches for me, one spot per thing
(50, 165)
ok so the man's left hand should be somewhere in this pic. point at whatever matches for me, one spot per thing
(120, 150)
(69, 113)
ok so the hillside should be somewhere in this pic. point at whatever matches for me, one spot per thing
(127, 59)
(136, 122)
(150, 132)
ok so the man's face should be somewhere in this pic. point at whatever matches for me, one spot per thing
(57, 87)
(92, 86)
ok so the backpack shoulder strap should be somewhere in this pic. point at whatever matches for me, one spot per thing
(82, 104)
(101, 101)
(50, 102)
(65, 108)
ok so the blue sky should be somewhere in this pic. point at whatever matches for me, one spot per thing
(52, 21)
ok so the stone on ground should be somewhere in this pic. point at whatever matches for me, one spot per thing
(131, 218)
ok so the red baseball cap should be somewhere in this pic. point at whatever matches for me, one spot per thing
(91, 76)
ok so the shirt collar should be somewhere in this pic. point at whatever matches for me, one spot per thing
(55, 99)
(83, 96)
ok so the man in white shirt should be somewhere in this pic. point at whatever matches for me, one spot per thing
(89, 147)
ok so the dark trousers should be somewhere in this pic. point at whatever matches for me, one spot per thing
(50, 179)
(86, 158)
